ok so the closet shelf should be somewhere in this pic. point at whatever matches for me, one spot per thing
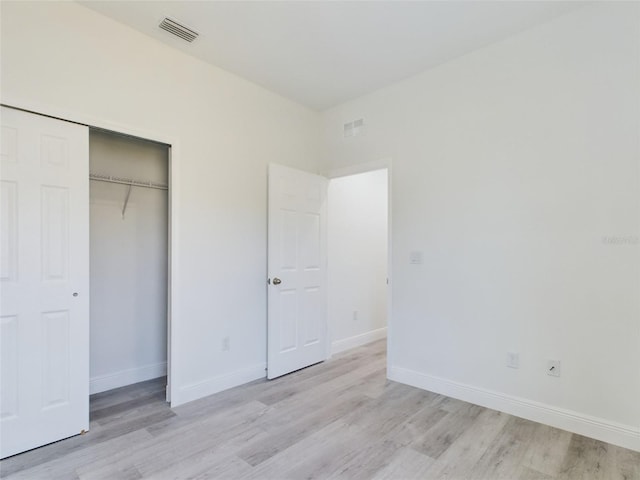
(127, 181)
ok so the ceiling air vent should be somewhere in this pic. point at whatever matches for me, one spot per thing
(178, 30)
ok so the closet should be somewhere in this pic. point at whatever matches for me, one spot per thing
(128, 259)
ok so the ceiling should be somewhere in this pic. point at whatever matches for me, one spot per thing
(323, 53)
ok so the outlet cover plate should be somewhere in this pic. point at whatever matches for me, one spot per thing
(415, 258)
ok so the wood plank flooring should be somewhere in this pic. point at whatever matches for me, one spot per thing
(338, 420)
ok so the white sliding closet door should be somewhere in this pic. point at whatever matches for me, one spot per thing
(44, 270)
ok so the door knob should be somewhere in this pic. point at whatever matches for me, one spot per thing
(277, 281)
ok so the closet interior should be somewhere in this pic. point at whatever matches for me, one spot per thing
(128, 259)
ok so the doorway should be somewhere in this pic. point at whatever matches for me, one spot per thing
(346, 252)
(128, 260)
(358, 231)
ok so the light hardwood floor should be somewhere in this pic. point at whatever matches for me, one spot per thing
(339, 419)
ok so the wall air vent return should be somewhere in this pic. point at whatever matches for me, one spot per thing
(178, 30)
(353, 129)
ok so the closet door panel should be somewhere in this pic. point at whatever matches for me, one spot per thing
(44, 311)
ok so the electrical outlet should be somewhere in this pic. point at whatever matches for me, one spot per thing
(553, 368)
(415, 258)
(226, 344)
(513, 360)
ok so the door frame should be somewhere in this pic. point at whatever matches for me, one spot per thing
(370, 166)
(173, 142)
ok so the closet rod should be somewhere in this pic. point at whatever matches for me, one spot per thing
(126, 181)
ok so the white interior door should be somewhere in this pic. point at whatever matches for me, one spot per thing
(44, 274)
(297, 257)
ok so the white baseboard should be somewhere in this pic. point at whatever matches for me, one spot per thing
(217, 384)
(358, 340)
(110, 381)
(600, 429)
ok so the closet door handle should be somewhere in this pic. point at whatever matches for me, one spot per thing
(277, 281)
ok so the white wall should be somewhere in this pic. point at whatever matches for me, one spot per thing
(510, 166)
(128, 263)
(65, 57)
(357, 252)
